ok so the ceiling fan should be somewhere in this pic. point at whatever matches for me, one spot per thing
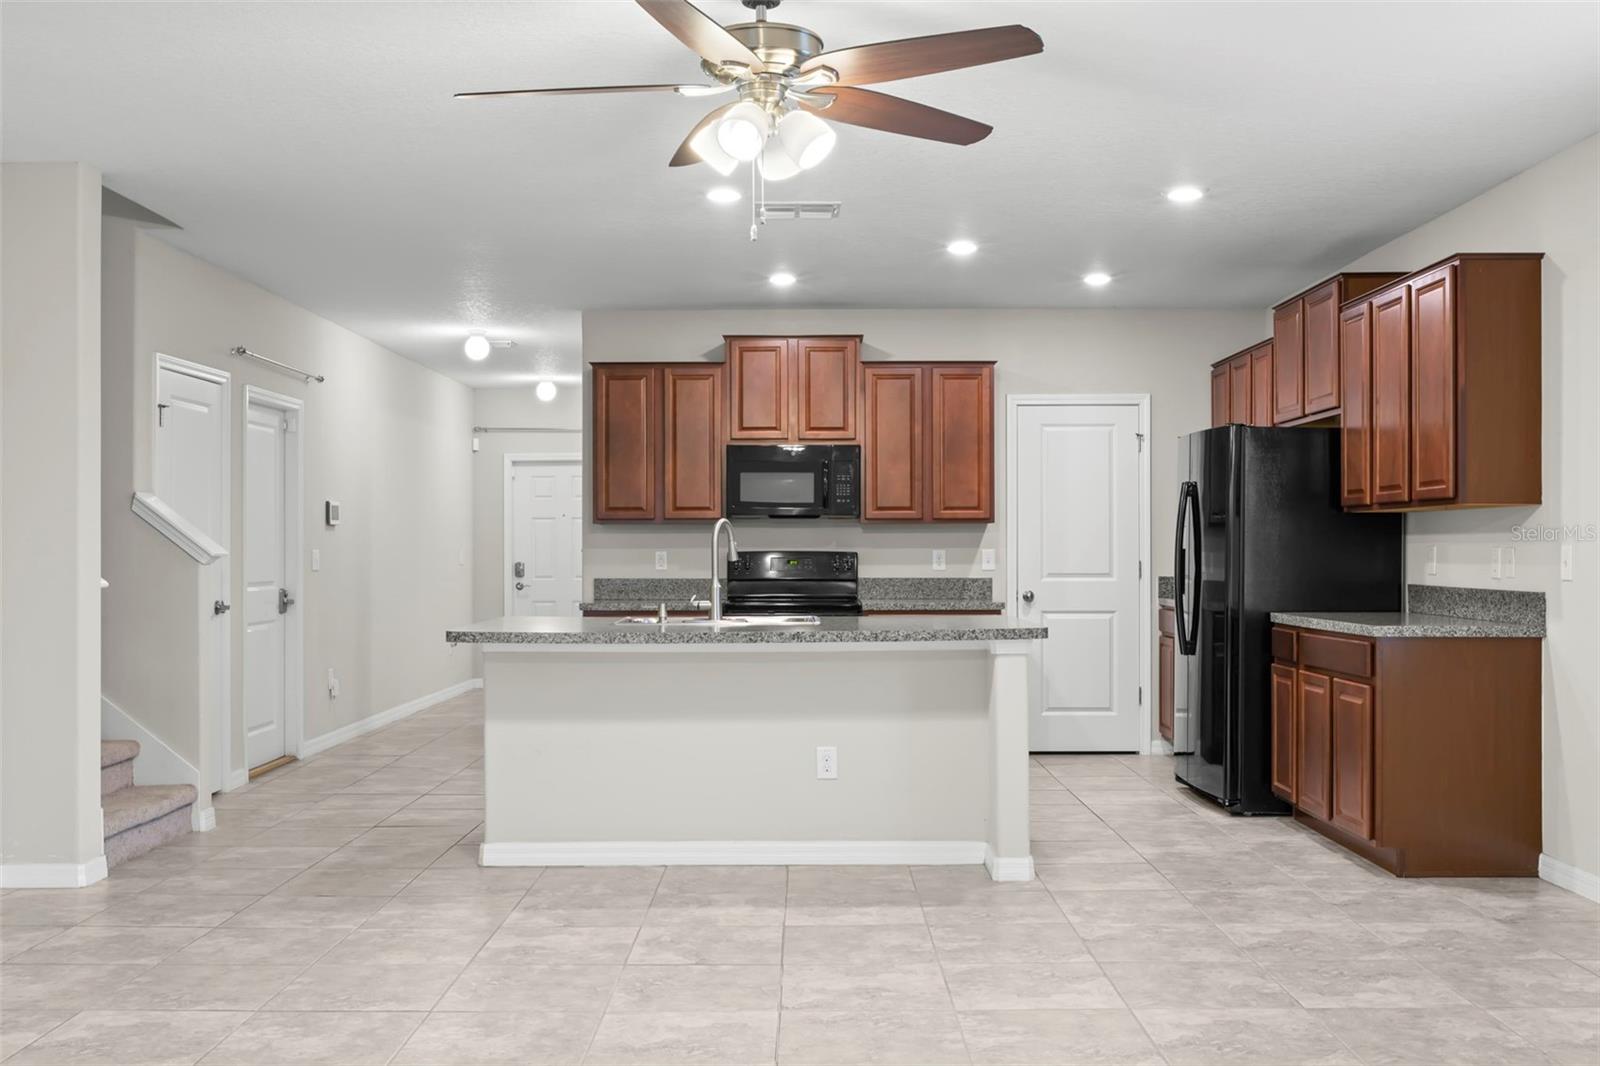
(784, 80)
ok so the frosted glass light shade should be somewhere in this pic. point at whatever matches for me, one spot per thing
(710, 152)
(776, 164)
(743, 130)
(806, 138)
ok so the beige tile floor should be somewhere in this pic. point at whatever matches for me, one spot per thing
(337, 915)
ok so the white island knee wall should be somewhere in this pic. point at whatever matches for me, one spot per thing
(606, 746)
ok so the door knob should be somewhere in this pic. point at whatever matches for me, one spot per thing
(285, 601)
(520, 586)
(1027, 597)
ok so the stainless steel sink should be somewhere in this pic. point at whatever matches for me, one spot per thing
(728, 621)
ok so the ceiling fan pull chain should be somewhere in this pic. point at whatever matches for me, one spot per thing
(755, 207)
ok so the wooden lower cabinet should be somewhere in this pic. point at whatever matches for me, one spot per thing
(1166, 668)
(1422, 755)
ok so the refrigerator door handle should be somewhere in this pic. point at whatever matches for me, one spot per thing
(1188, 614)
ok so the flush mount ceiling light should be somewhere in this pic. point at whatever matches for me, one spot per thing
(477, 347)
(545, 390)
(782, 279)
(961, 247)
(723, 194)
(1185, 194)
(1097, 279)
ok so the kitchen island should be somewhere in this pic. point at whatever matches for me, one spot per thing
(627, 744)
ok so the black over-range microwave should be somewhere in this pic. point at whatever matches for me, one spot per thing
(793, 480)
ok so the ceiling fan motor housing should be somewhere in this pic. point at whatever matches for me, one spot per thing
(780, 45)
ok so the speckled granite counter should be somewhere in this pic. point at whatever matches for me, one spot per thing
(1436, 611)
(1166, 590)
(909, 629)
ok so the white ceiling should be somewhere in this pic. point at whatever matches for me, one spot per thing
(315, 149)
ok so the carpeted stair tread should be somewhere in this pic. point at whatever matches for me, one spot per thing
(130, 807)
(115, 751)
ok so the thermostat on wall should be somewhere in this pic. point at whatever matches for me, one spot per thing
(330, 510)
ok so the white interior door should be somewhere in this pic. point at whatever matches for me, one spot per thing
(1078, 541)
(545, 568)
(266, 585)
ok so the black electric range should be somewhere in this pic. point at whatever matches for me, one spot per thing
(793, 583)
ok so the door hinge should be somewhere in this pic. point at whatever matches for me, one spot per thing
(1141, 440)
(161, 414)
(1141, 695)
(1141, 568)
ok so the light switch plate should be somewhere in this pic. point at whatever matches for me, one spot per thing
(1494, 565)
(316, 559)
(938, 558)
(661, 560)
(988, 559)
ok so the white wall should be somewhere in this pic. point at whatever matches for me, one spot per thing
(385, 436)
(50, 820)
(1552, 208)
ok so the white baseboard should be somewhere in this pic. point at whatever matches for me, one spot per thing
(156, 763)
(1563, 875)
(315, 745)
(737, 853)
(235, 779)
(202, 820)
(52, 874)
(1008, 869)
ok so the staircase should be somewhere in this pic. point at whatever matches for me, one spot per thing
(137, 817)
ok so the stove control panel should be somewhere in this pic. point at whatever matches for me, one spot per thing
(794, 566)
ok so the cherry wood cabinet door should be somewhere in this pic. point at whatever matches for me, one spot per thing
(691, 425)
(891, 454)
(961, 443)
(758, 388)
(1433, 386)
(1313, 744)
(1219, 395)
(1261, 386)
(1283, 736)
(1239, 389)
(1352, 757)
(626, 402)
(825, 370)
(1355, 402)
(1321, 355)
(1288, 362)
(1391, 396)
(1166, 659)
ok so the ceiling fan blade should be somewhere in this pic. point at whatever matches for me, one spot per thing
(700, 32)
(577, 91)
(686, 156)
(892, 114)
(915, 56)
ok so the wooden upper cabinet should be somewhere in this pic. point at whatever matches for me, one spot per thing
(1321, 349)
(1390, 313)
(1219, 395)
(625, 430)
(1433, 386)
(1288, 369)
(1355, 400)
(1239, 393)
(961, 443)
(758, 388)
(1261, 385)
(691, 428)
(1351, 725)
(825, 386)
(892, 453)
(1313, 783)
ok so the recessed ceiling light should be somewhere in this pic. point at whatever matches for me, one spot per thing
(723, 194)
(961, 247)
(476, 347)
(545, 390)
(782, 279)
(1185, 194)
(1097, 279)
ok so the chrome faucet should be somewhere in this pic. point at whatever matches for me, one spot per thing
(716, 566)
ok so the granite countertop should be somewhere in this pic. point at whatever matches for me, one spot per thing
(1405, 624)
(833, 630)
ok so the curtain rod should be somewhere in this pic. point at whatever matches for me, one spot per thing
(246, 353)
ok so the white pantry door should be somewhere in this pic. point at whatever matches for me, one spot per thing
(266, 585)
(545, 571)
(1078, 540)
(191, 451)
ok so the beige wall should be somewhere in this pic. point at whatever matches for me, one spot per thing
(555, 431)
(50, 531)
(386, 437)
(1552, 208)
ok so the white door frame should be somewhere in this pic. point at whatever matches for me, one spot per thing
(507, 506)
(1149, 697)
(223, 653)
(294, 479)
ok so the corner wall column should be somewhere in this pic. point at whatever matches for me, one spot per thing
(1010, 856)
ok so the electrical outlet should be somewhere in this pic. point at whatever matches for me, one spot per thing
(333, 684)
(1433, 561)
(1508, 562)
(988, 559)
(938, 558)
(1494, 565)
(661, 560)
(827, 764)
(316, 559)
(1566, 562)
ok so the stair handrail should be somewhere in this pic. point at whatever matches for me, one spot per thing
(172, 525)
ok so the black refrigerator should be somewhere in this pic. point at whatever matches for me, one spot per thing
(1259, 529)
